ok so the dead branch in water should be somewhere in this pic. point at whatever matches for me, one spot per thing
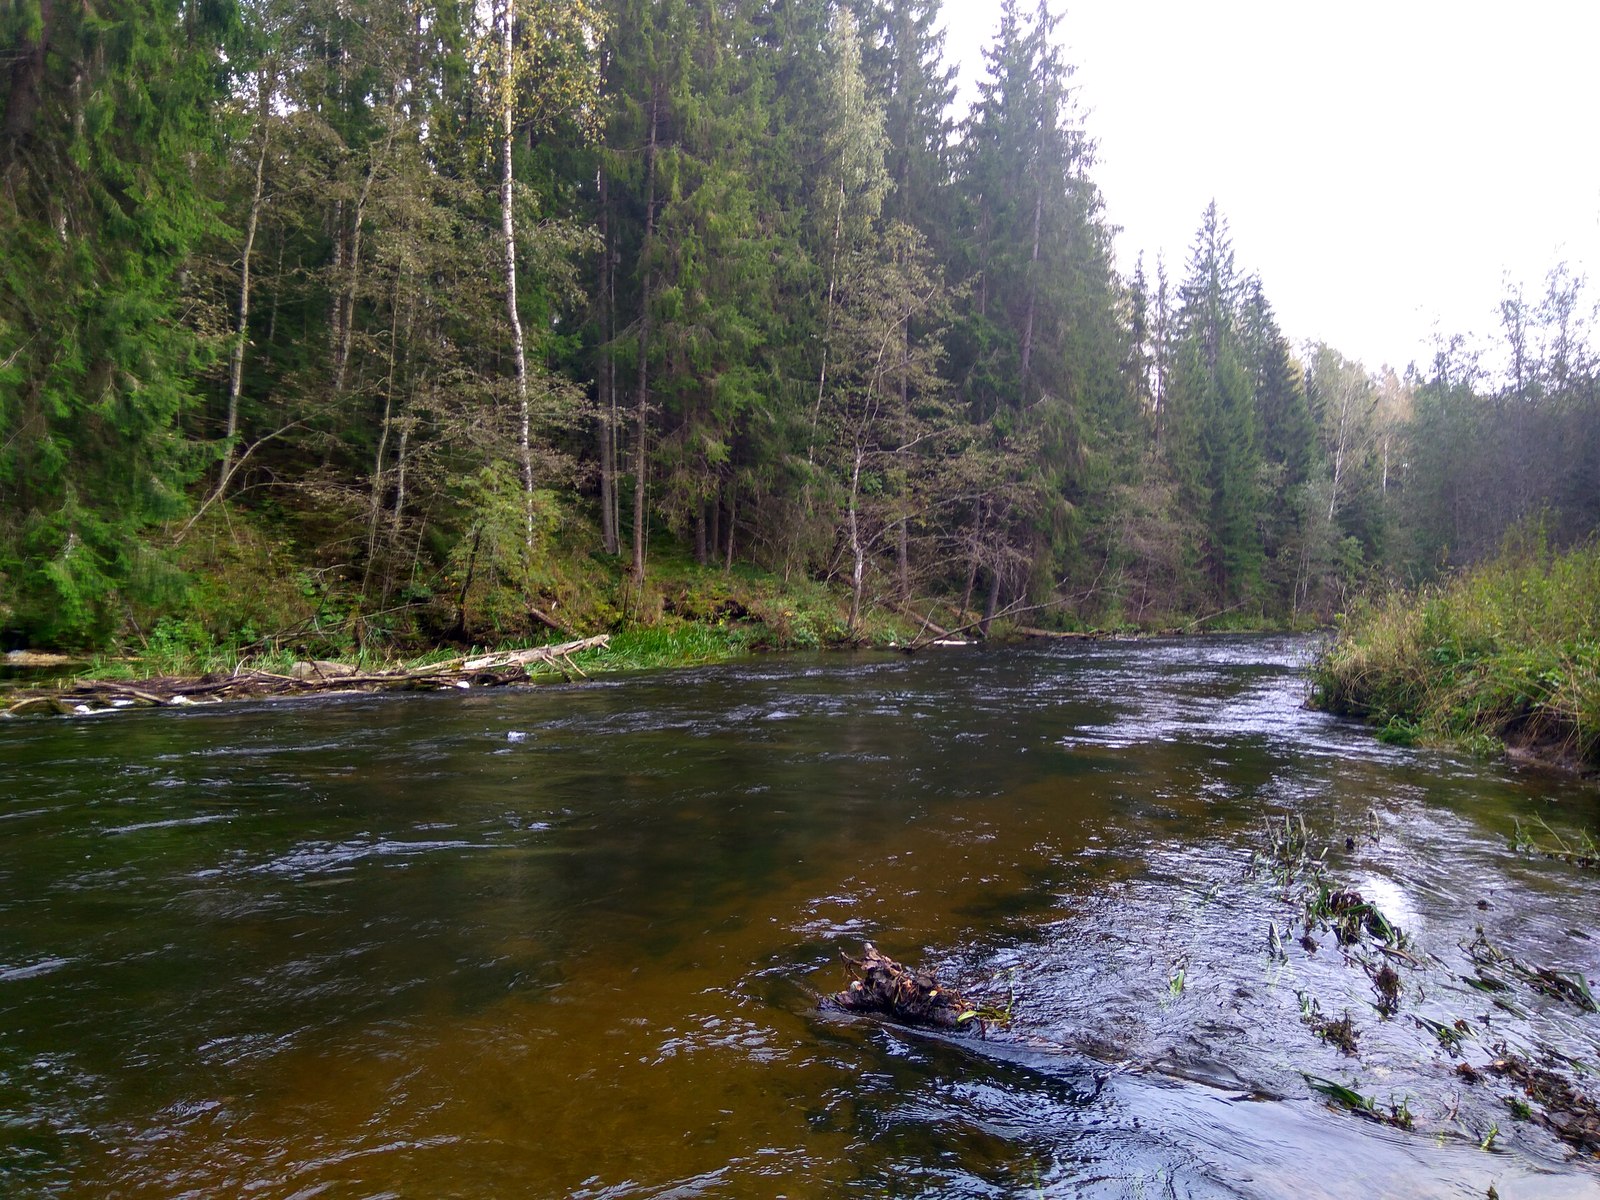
(882, 985)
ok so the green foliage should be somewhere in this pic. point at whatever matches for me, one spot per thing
(779, 308)
(1509, 651)
(110, 127)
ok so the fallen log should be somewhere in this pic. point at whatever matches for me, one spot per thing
(928, 622)
(882, 985)
(308, 678)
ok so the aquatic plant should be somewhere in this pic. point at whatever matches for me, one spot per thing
(1287, 855)
(989, 1013)
(1585, 853)
(1386, 982)
(1341, 1033)
(1450, 1035)
(1493, 964)
(1396, 1112)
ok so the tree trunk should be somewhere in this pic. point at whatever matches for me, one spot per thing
(508, 231)
(27, 82)
(241, 336)
(272, 314)
(902, 561)
(857, 554)
(972, 571)
(1033, 292)
(399, 481)
(642, 398)
(1339, 449)
(605, 380)
(827, 334)
(991, 602)
(902, 555)
(346, 322)
(375, 503)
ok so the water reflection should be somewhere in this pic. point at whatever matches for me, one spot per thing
(385, 947)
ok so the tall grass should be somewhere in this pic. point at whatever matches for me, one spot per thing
(1508, 651)
(646, 647)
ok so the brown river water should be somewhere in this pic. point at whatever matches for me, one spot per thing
(570, 940)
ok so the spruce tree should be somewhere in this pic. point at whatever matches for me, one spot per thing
(1213, 445)
(111, 127)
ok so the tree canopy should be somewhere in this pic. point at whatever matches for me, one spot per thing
(449, 306)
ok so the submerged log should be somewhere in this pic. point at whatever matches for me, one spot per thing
(882, 985)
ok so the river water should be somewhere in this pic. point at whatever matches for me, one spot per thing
(569, 940)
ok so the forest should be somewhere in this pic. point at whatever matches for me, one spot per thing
(450, 321)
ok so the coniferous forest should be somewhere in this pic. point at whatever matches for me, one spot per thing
(453, 320)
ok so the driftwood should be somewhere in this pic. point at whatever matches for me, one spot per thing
(882, 985)
(305, 679)
(1030, 631)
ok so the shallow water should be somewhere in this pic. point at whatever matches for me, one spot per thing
(569, 940)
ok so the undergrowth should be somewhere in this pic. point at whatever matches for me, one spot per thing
(1508, 652)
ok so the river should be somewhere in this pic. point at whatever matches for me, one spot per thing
(569, 940)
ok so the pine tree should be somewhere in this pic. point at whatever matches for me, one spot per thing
(903, 62)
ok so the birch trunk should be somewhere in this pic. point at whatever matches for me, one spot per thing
(827, 334)
(241, 336)
(857, 553)
(346, 322)
(1033, 290)
(508, 232)
(605, 380)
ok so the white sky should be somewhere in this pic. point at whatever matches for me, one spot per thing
(1383, 165)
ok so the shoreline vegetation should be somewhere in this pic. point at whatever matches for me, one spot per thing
(469, 325)
(1502, 658)
(686, 615)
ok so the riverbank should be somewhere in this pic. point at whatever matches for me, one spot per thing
(685, 615)
(1504, 658)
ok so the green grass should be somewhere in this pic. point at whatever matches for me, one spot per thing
(685, 615)
(1506, 652)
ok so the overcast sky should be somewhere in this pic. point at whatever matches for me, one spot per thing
(1383, 165)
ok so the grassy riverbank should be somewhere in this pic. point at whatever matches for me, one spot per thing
(1504, 655)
